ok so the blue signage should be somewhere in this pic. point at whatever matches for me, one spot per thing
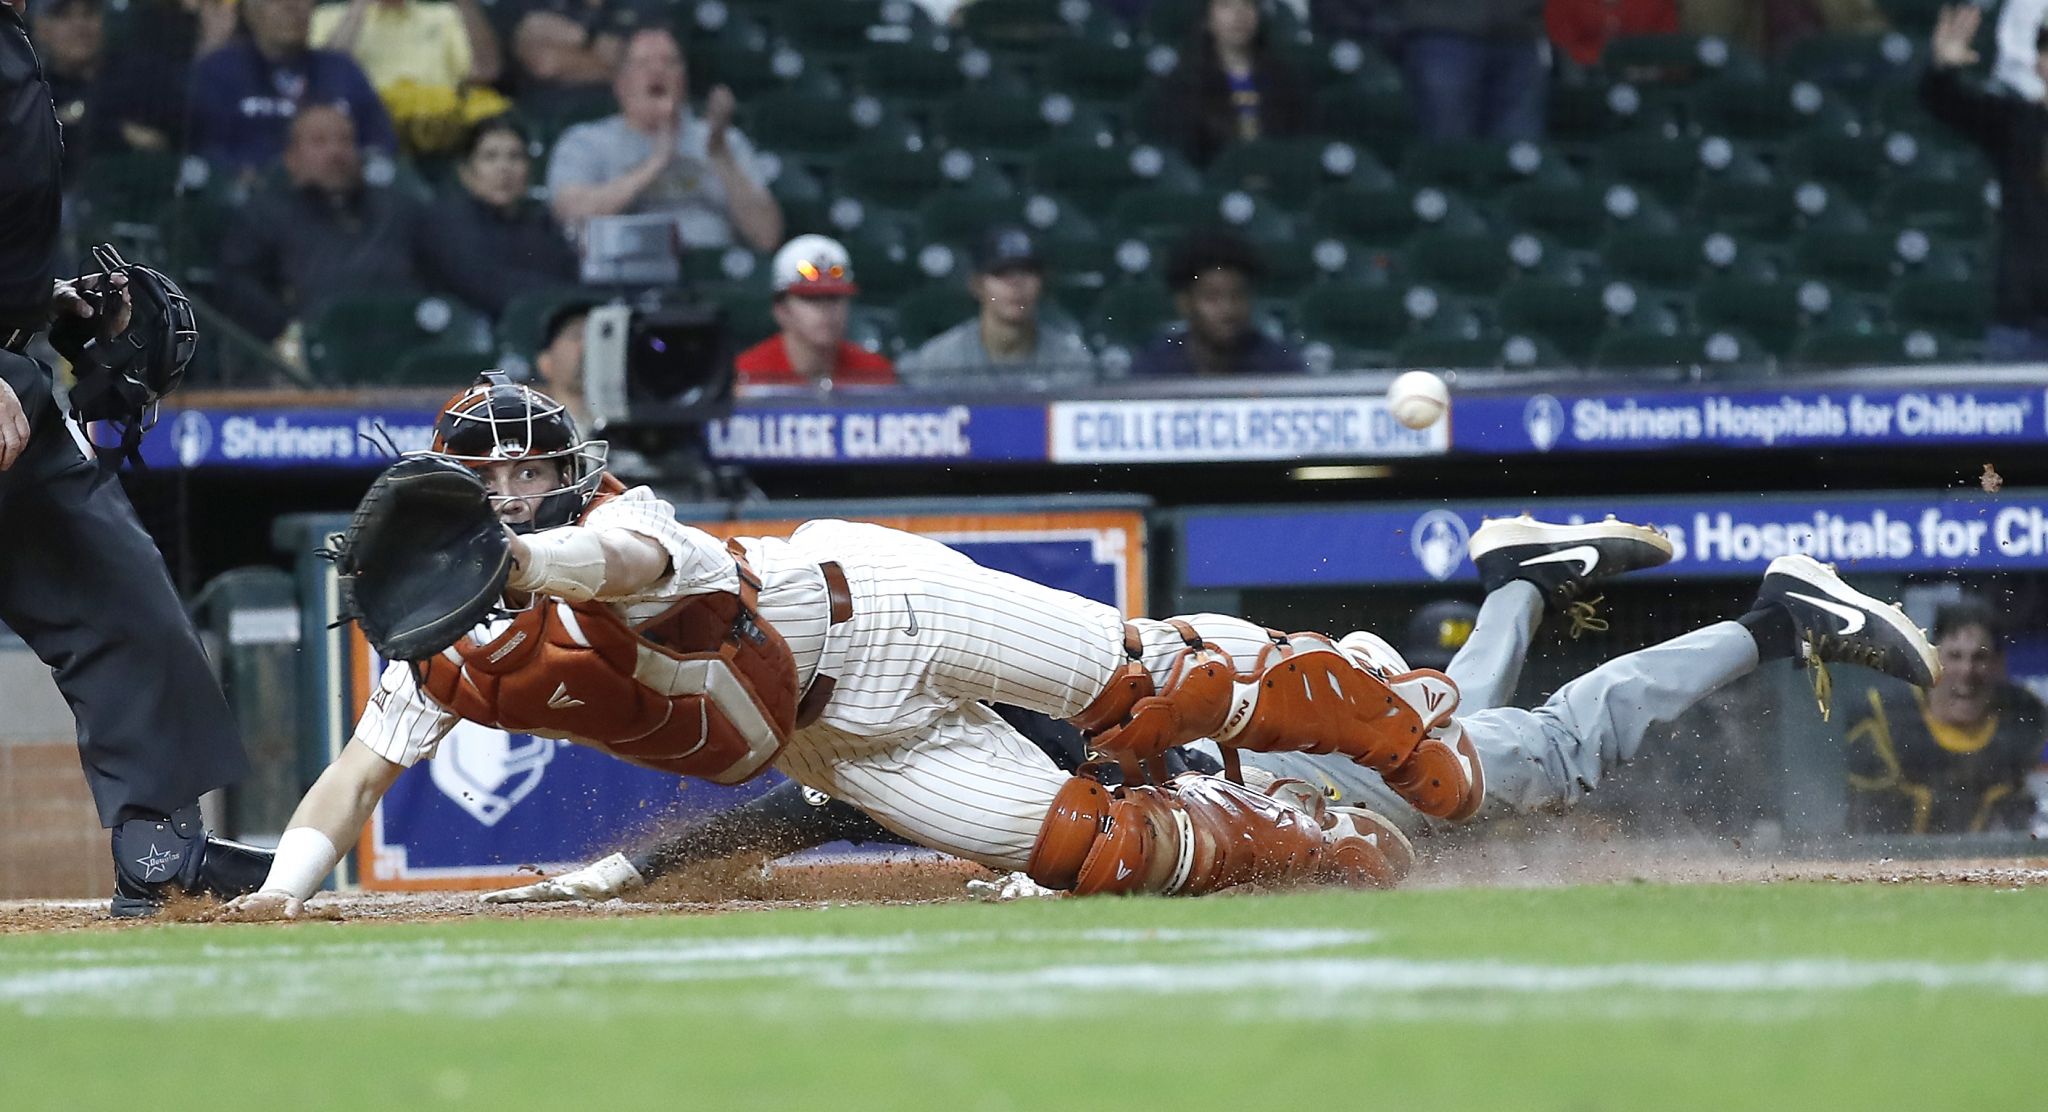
(1730, 535)
(1627, 421)
(880, 434)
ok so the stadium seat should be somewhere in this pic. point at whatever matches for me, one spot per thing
(1386, 217)
(362, 337)
(892, 260)
(1861, 261)
(803, 124)
(718, 266)
(1093, 174)
(1644, 348)
(876, 329)
(1172, 21)
(749, 312)
(1476, 264)
(1016, 25)
(1672, 167)
(1858, 163)
(1481, 167)
(434, 365)
(802, 195)
(128, 186)
(1164, 213)
(1456, 349)
(841, 28)
(1936, 204)
(932, 309)
(1677, 60)
(1131, 314)
(1950, 307)
(755, 68)
(1380, 120)
(964, 216)
(1854, 64)
(1767, 111)
(1366, 316)
(1771, 311)
(1580, 115)
(1012, 124)
(1100, 71)
(1914, 18)
(520, 326)
(1881, 347)
(1289, 171)
(1580, 215)
(1761, 210)
(1572, 315)
(902, 172)
(925, 69)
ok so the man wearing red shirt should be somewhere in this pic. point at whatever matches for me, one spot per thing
(814, 290)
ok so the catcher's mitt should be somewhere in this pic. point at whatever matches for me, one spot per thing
(424, 560)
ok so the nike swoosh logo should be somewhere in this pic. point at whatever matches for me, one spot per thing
(910, 629)
(1585, 555)
(560, 700)
(1852, 618)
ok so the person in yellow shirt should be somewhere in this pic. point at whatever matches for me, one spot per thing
(430, 61)
(1954, 758)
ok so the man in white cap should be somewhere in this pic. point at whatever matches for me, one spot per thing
(814, 291)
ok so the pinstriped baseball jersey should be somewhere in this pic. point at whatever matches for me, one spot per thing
(402, 725)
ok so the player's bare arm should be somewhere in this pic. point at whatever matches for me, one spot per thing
(329, 817)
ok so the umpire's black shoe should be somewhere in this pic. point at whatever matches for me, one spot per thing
(1838, 624)
(154, 857)
(1563, 560)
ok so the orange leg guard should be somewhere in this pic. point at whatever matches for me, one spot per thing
(1133, 721)
(1200, 834)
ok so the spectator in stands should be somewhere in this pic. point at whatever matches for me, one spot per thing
(103, 102)
(564, 45)
(814, 290)
(559, 362)
(2013, 134)
(1955, 758)
(1229, 86)
(322, 233)
(1581, 29)
(490, 241)
(1009, 343)
(245, 94)
(1212, 277)
(656, 156)
(429, 59)
(1476, 68)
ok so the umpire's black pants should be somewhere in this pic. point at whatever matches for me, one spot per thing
(84, 585)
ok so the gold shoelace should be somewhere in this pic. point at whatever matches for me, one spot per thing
(1584, 615)
(1841, 651)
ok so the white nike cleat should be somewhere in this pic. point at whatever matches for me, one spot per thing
(1562, 560)
(1841, 625)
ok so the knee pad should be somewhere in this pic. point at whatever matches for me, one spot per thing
(1135, 720)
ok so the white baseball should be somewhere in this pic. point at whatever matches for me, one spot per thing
(1418, 399)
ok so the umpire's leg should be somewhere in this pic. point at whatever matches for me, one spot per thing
(84, 585)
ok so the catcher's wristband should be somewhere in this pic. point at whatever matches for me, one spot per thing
(304, 858)
(566, 563)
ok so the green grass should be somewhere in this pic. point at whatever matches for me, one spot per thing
(1628, 997)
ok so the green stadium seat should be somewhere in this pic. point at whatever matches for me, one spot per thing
(1365, 316)
(803, 124)
(1644, 348)
(802, 194)
(718, 266)
(1387, 216)
(362, 337)
(1458, 349)
(1852, 63)
(925, 68)
(1914, 18)
(1172, 21)
(749, 312)
(1130, 315)
(1844, 347)
(932, 309)
(452, 367)
(128, 186)
(1760, 210)
(1322, 63)
(1100, 70)
(1572, 315)
(563, 109)
(1677, 60)
(519, 328)
(1580, 215)
(891, 259)
(1859, 163)
(1013, 123)
(1768, 111)
(1771, 311)
(876, 329)
(755, 68)
(964, 216)
(1093, 174)
(1482, 167)
(1861, 261)
(1475, 264)
(1672, 166)
(842, 27)
(1936, 204)
(1957, 307)
(1160, 212)
(1580, 115)
(1380, 120)
(902, 172)
(1017, 25)
(1289, 171)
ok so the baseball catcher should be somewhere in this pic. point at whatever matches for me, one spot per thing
(861, 661)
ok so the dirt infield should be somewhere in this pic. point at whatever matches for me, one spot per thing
(741, 884)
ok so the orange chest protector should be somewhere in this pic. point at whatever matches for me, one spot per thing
(706, 689)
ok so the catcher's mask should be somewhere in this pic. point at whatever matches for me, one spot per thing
(120, 379)
(498, 420)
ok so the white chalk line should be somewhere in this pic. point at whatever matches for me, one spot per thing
(1255, 974)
